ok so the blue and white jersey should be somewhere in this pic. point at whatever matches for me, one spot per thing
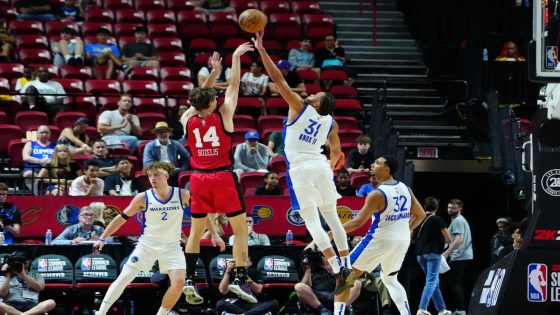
(304, 136)
(162, 220)
(393, 222)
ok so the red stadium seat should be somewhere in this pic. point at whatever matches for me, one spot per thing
(242, 5)
(274, 6)
(15, 148)
(149, 105)
(348, 104)
(270, 121)
(84, 104)
(246, 61)
(176, 88)
(306, 7)
(201, 59)
(243, 121)
(10, 107)
(172, 59)
(231, 44)
(130, 16)
(103, 86)
(189, 17)
(276, 102)
(315, 20)
(334, 75)
(346, 122)
(175, 74)
(265, 133)
(31, 117)
(11, 70)
(71, 85)
(308, 76)
(108, 102)
(222, 32)
(312, 88)
(118, 4)
(99, 15)
(66, 119)
(144, 178)
(179, 5)
(285, 19)
(149, 120)
(358, 179)
(144, 73)
(140, 87)
(286, 33)
(343, 91)
(148, 5)
(349, 135)
(249, 102)
(162, 30)
(223, 18)
(4, 86)
(53, 70)
(278, 164)
(26, 27)
(251, 179)
(32, 41)
(189, 32)
(81, 72)
(90, 28)
(9, 12)
(168, 44)
(54, 27)
(317, 33)
(272, 45)
(29, 56)
(160, 17)
(125, 29)
(8, 132)
(202, 45)
(3, 118)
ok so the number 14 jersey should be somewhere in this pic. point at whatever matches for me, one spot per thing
(209, 143)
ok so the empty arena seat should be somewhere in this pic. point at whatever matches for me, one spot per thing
(81, 72)
(26, 27)
(250, 179)
(118, 4)
(148, 5)
(202, 45)
(162, 30)
(8, 132)
(348, 104)
(70, 85)
(129, 16)
(306, 7)
(172, 59)
(285, 19)
(242, 5)
(270, 121)
(32, 41)
(15, 149)
(308, 76)
(274, 6)
(359, 179)
(144, 73)
(11, 70)
(103, 86)
(349, 135)
(278, 164)
(175, 74)
(342, 90)
(29, 56)
(99, 15)
(168, 44)
(312, 88)
(31, 117)
(126, 29)
(140, 87)
(67, 118)
(3, 118)
(243, 121)
(160, 17)
(149, 120)
(346, 122)
(179, 5)
(176, 88)
(90, 28)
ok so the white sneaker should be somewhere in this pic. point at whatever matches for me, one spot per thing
(172, 312)
(423, 312)
(459, 312)
(445, 312)
(191, 293)
(243, 291)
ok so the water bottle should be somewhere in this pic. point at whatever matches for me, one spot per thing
(289, 237)
(48, 237)
(485, 54)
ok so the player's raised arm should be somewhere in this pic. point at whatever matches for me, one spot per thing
(334, 145)
(293, 99)
(232, 92)
(216, 62)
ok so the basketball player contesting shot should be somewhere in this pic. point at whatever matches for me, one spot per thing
(309, 175)
(214, 185)
(163, 208)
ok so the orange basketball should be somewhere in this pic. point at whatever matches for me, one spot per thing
(252, 21)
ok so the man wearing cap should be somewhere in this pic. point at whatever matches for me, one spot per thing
(70, 48)
(117, 125)
(75, 137)
(141, 52)
(104, 53)
(250, 156)
(164, 149)
(292, 78)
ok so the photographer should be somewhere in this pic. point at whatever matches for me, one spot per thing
(316, 288)
(10, 218)
(19, 289)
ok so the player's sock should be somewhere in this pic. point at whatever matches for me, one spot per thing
(345, 260)
(163, 311)
(334, 261)
(339, 308)
(191, 258)
(116, 289)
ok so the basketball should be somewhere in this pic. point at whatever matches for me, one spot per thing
(252, 21)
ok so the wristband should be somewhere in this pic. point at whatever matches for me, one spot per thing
(100, 239)
(124, 216)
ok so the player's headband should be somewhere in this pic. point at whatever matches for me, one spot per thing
(163, 171)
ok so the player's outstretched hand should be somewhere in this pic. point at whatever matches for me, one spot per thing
(258, 40)
(243, 48)
(98, 246)
(218, 241)
(216, 61)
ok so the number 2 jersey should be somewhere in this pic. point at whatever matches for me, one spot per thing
(162, 219)
(393, 222)
(304, 137)
(209, 143)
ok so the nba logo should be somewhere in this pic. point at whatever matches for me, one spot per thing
(268, 264)
(551, 57)
(42, 266)
(537, 282)
(86, 263)
(221, 264)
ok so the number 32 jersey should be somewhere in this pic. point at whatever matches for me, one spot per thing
(393, 222)
(209, 143)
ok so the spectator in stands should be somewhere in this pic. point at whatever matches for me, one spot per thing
(71, 11)
(20, 289)
(218, 220)
(98, 208)
(174, 123)
(7, 40)
(107, 164)
(516, 231)
(28, 76)
(316, 289)
(360, 159)
(292, 78)
(222, 81)
(302, 58)
(75, 137)
(254, 82)
(82, 231)
(60, 171)
(123, 183)
(104, 53)
(500, 239)
(254, 238)
(37, 153)
(212, 6)
(70, 48)
(343, 186)
(270, 186)
(163, 149)
(119, 125)
(88, 184)
(276, 143)
(247, 290)
(35, 10)
(509, 52)
(250, 156)
(333, 56)
(44, 94)
(141, 52)
(365, 189)
(10, 217)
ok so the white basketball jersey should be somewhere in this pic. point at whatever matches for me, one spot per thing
(162, 220)
(304, 137)
(393, 222)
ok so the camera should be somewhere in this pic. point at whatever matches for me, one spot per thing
(312, 258)
(15, 263)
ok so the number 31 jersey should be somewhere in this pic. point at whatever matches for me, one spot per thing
(304, 137)
(393, 222)
(209, 143)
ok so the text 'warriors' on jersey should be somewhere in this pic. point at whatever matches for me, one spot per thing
(162, 219)
(209, 143)
(393, 222)
(304, 137)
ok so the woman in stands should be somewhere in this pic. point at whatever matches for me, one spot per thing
(75, 137)
(62, 169)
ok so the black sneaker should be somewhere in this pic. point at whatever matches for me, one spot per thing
(342, 280)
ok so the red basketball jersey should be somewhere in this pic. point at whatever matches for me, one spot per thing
(209, 142)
